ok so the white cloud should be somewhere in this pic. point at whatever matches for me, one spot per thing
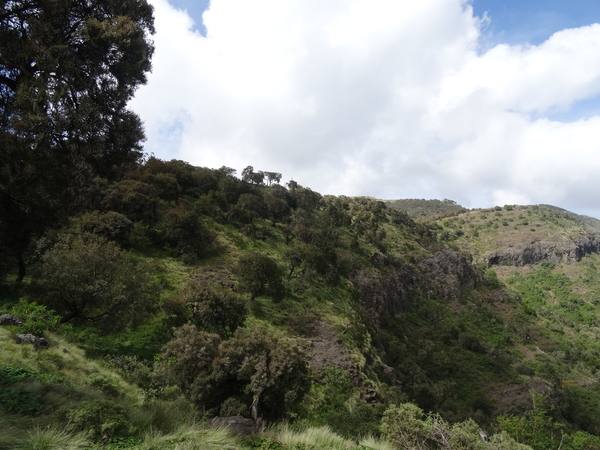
(389, 98)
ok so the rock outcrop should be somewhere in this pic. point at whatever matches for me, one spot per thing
(544, 250)
(447, 273)
(10, 320)
(37, 342)
(395, 288)
(238, 424)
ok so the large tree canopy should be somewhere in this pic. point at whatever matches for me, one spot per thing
(67, 70)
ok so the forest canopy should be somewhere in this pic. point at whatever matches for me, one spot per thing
(67, 71)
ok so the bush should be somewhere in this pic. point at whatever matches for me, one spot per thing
(101, 419)
(36, 318)
(260, 275)
(90, 279)
(403, 425)
(186, 233)
(135, 199)
(215, 309)
(186, 361)
(110, 225)
(253, 368)
(271, 371)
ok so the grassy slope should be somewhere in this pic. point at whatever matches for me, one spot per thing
(474, 356)
(557, 319)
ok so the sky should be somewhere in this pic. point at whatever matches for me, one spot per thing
(485, 102)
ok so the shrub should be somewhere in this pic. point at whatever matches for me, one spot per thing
(186, 361)
(271, 372)
(36, 318)
(214, 308)
(136, 199)
(185, 231)
(403, 425)
(260, 275)
(110, 225)
(88, 278)
(253, 368)
(101, 419)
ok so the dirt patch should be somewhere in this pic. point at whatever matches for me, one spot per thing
(326, 349)
(516, 398)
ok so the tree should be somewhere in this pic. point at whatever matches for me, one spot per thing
(250, 176)
(67, 71)
(187, 362)
(90, 279)
(270, 371)
(273, 177)
(214, 308)
(254, 367)
(277, 208)
(260, 275)
(186, 233)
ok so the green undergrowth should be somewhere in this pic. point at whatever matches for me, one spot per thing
(315, 311)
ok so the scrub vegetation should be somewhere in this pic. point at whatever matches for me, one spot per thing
(141, 298)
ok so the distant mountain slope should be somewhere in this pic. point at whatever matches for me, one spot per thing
(521, 235)
(590, 221)
(420, 209)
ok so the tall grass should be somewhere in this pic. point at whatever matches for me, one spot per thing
(194, 437)
(323, 438)
(317, 438)
(54, 439)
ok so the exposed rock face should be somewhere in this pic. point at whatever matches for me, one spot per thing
(9, 319)
(395, 288)
(236, 423)
(538, 251)
(390, 289)
(447, 273)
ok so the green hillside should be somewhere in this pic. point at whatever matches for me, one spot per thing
(218, 296)
(149, 304)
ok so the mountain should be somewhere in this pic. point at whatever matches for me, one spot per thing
(194, 294)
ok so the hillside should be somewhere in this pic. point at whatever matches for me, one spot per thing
(361, 307)
(421, 209)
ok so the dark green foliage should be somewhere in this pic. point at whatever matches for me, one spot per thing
(87, 278)
(186, 233)
(252, 204)
(110, 225)
(106, 386)
(187, 362)
(535, 428)
(277, 208)
(266, 444)
(260, 275)
(253, 368)
(191, 181)
(102, 419)
(307, 199)
(471, 343)
(166, 186)
(68, 70)
(215, 309)
(135, 199)
(21, 390)
(332, 391)
(271, 372)
(19, 400)
(133, 369)
(250, 176)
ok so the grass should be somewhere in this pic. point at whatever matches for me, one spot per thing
(54, 439)
(322, 438)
